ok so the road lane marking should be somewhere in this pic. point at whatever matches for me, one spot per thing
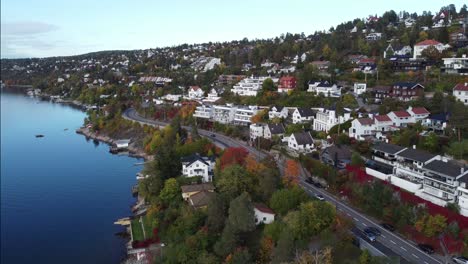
(364, 224)
(348, 214)
(355, 219)
(415, 256)
(384, 236)
(403, 248)
(425, 262)
(392, 241)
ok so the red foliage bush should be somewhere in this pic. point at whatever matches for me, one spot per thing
(233, 156)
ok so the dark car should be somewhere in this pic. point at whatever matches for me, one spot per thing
(389, 227)
(370, 236)
(460, 260)
(213, 135)
(426, 248)
(318, 185)
(309, 180)
(373, 230)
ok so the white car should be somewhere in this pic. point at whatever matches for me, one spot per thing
(460, 260)
(320, 197)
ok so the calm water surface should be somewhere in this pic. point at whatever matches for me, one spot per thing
(59, 194)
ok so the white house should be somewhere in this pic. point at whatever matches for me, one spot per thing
(401, 118)
(263, 214)
(223, 114)
(195, 92)
(271, 130)
(301, 142)
(325, 88)
(421, 46)
(203, 111)
(122, 144)
(243, 114)
(361, 128)
(256, 130)
(196, 165)
(382, 123)
(172, 97)
(460, 91)
(302, 115)
(326, 119)
(374, 36)
(278, 111)
(455, 65)
(250, 86)
(418, 113)
(360, 88)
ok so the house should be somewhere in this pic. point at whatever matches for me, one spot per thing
(437, 122)
(250, 86)
(225, 79)
(400, 118)
(256, 131)
(361, 128)
(326, 88)
(359, 88)
(421, 46)
(302, 115)
(397, 50)
(407, 91)
(195, 92)
(122, 144)
(263, 214)
(336, 156)
(367, 66)
(321, 65)
(418, 113)
(460, 91)
(382, 123)
(201, 199)
(287, 84)
(203, 111)
(455, 65)
(405, 63)
(272, 130)
(191, 189)
(213, 95)
(381, 92)
(243, 114)
(374, 36)
(223, 114)
(196, 165)
(325, 119)
(301, 142)
(278, 112)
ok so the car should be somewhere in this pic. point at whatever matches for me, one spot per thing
(318, 185)
(426, 248)
(309, 180)
(370, 236)
(212, 135)
(320, 197)
(387, 226)
(460, 260)
(373, 230)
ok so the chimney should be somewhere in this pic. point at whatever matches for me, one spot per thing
(414, 146)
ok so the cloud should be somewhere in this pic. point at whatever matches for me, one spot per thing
(23, 28)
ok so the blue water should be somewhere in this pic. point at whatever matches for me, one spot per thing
(59, 194)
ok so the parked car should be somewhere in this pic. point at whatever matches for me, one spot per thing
(213, 135)
(460, 260)
(320, 197)
(426, 248)
(389, 227)
(309, 180)
(318, 185)
(370, 236)
(373, 230)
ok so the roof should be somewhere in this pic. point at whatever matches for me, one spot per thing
(201, 199)
(320, 62)
(461, 87)
(401, 113)
(420, 111)
(287, 78)
(194, 157)
(387, 148)
(303, 138)
(263, 208)
(276, 129)
(305, 111)
(195, 88)
(365, 121)
(427, 42)
(325, 84)
(410, 85)
(415, 154)
(367, 60)
(443, 117)
(340, 152)
(278, 108)
(197, 187)
(383, 118)
(449, 168)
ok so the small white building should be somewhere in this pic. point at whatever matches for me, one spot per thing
(195, 92)
(460, 91)
(418, 113)
(256, 131)
(196, 165)
(250, 86)
(455, 65)
(243, 114)
(421, 46)
(325, 88)
(303, 115)
(203, 111)
(401, 118)
(361, 128)
(301, 142)
(223, 114)
(122, 144)
(326, 119)
(263, 214)
(360, 88)
(278, 111)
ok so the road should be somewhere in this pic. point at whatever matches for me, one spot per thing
(389, 243)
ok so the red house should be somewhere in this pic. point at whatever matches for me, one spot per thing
(286, 84)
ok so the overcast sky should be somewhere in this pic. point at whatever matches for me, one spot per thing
(43, 28)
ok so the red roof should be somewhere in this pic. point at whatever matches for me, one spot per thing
(367, 61)
(195, 87)
(383, 118)
(461, 87)
(420, 111)
(428, 42)
(288, 78)
(366, 121)
(401, 113)
(263, 208)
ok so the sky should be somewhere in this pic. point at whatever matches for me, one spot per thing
(44, 28)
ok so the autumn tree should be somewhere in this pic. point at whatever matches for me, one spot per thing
(284, 200)
(291, 173)
(266, 249)
(215, 214)
(431, 225)
(284, 249)
(233, 181)
(261, 116)
(233, 156)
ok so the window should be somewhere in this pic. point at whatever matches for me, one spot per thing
(264, 218)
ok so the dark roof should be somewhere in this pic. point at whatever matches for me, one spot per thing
(387, 148)
(443, 117)
(340, 152)
(415, 154)
(201, 199)
(276, 129)
(197, 187)
(448, 168)
(325, 84)
(382, 89)
(263, 208)
(194, 157)
(278, 108)
(305, 111)
(407, 84)
(303, 138)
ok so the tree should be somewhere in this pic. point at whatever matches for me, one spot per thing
(233, 180)
(365, 257)
(323, 257)
(431, 225)
(240, 256)
(431, 142)
(215, 214)
(266, 249)
(268, 85)
(171, 191)
(260, 116)
(284, 200)
(233, 156)
(291, 173)
(227, 242)
(241, 214)
(167, 161)
(356, 159)
(283, 251)
(459, 118)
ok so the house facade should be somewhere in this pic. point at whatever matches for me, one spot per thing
(250, 86)
(196, 165)
(407, 91)
(326, 88)
(460, 91)
(302, 115)
(301, 142)
(287, 84)
(243, 114)
(263, 214)
(359, 88)
(326, 119)
(278, 112)
(195, 92)
(361, 128)
(421, 46)
(455, 65)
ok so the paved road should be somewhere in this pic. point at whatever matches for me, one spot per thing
(389, 243)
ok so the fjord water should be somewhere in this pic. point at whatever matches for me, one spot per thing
(60, 194)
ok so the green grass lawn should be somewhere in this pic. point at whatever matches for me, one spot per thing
(147, 226)
(137, 231)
